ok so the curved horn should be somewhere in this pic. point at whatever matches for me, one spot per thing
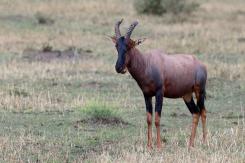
(130, 29)
(117, 30)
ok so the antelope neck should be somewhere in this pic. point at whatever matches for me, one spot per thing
(136, 65)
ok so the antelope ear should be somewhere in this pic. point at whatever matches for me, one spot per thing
(139, 41)
(113, 38)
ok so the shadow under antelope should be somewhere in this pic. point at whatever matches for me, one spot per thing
(162, 75)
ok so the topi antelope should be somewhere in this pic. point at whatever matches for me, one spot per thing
(162, 75)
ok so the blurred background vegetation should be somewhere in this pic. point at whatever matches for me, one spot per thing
(159, 7)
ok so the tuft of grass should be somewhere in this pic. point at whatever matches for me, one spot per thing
(98, 109)
(18, 92)
(102, 113)
(47, 47)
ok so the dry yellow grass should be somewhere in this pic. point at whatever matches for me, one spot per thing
(223, 141)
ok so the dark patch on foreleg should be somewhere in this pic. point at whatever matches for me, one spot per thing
(159, 101)
(148, 103)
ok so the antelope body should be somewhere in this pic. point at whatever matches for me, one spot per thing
(161, 75)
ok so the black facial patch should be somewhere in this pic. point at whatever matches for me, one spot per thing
(121, 49)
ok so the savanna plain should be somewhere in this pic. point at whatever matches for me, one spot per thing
(62, 101)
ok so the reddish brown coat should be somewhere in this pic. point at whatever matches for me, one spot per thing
(175, 73)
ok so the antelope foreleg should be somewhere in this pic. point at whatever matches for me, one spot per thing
(148, 103)
(158, 110)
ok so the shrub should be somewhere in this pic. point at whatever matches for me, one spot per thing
(43, 19)
(149, 7)
(47, 47)
(159, 7)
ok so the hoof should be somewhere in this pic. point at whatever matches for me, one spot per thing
(204, 140)
(149, 147)
(159, 147)
(190, 146)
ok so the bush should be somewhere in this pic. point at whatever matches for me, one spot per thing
(159, 7)
(149, 7)
(43, 19)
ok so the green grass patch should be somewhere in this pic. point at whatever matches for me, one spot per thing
(102, 113)
(98, 109)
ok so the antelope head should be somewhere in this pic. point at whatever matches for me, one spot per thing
(124, 44)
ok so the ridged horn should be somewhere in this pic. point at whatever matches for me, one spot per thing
(130, 29)
(117, 30)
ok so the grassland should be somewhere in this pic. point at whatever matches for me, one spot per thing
(82, 111)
